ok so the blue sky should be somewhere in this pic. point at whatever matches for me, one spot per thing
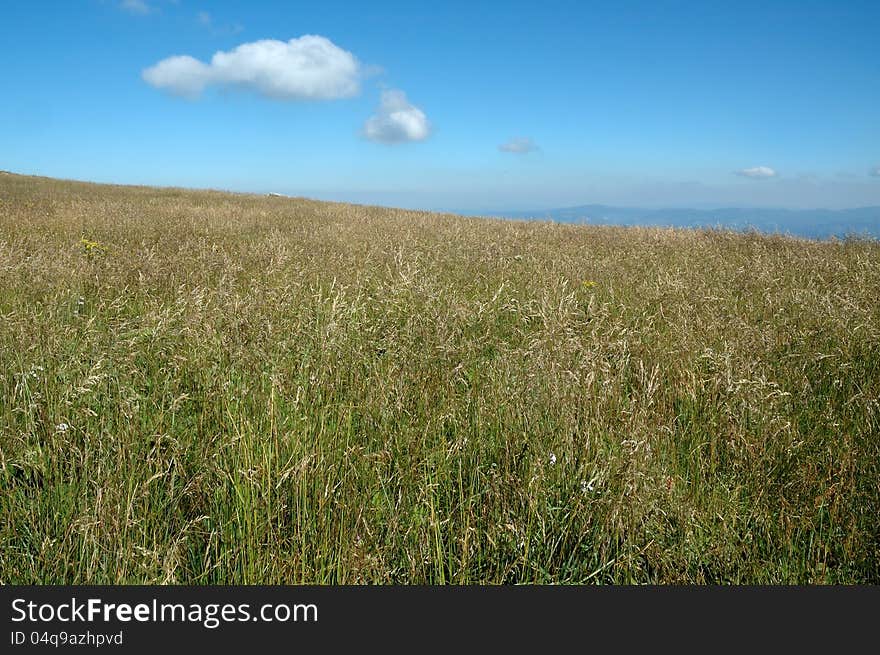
(452, 105)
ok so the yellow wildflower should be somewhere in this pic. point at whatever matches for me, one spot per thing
(91, 247)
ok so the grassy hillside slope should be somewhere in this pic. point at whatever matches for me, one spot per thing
(199, 387)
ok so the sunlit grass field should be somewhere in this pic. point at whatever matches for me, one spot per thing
(200, 387)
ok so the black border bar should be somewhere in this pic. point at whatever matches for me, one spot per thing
(409, 619)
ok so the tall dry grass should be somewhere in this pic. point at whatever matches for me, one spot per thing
(199, 387)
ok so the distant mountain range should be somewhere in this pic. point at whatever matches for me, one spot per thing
(810, 223)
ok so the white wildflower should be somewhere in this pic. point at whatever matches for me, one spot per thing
(62, 427)
(552, 459)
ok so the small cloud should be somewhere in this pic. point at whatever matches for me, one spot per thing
(371, 70)
(182, 75)
(757, 173)
(520, 145)
(206, 21)
(397, 121)
(139, 7)
(310, 67)
(874, 172)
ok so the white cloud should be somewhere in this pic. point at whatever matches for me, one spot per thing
(757, 173)
(182, 75)
(520, 145)
(310, 67)
(206, 21)
(874, 172)
(397, 121)
(140, 7)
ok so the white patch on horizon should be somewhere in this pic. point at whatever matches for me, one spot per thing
(757, 172)
(521, 145)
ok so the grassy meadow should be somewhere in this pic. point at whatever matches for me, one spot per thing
(201, 387)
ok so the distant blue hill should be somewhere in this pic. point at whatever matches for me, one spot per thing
(809, 223)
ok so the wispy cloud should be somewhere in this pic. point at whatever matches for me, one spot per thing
(397, 121)
(874, 172)
(757, 172)
(310, 67)
(206, 20)
(139, 7)
(521, 145)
